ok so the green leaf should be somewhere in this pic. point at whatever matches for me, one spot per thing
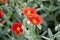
(39, 26)
(28, 35)
(44, 15)
(50, 33)
(58, 0)
(43, 0)
(57, 34)
(1, 25)
(45, 38)
(57, 28)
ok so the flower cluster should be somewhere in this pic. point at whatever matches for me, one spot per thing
(32, 15)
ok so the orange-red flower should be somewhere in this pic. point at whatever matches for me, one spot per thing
(2, 22)
(35, 19)
(17, 28)
(29, 11)
(4, 1)
(1, 13)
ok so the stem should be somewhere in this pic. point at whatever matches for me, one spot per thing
(13, 35)
(10, 37)
(51, 2)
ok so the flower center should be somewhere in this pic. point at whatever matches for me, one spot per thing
(28, 12)
(34, 21)
(18, 28)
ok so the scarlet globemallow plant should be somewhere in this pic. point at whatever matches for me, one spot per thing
(29, 11)
(4, 1)
(35, 19)
(1, 13)
(17, 28)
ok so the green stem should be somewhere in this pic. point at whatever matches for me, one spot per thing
(13, 35)
(51, 2)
